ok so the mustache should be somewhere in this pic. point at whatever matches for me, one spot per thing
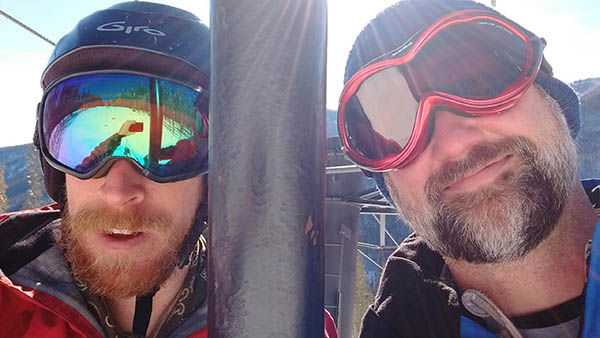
(478, 156)
(101, 219)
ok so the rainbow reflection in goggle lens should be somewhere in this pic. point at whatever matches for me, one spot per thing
(162, 126)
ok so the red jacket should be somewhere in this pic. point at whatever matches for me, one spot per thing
(38, 297)
(34, 313)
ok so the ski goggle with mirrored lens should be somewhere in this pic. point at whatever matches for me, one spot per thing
(89, 120)
(470, 62)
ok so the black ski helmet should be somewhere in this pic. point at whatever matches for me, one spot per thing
(136, 36)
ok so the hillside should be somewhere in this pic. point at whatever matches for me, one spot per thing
(588, 140)
(582, 86)
(591, 99)
(23, 177)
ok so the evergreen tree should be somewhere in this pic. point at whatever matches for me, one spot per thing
(4, 207)
(35, 197)
(363, 296)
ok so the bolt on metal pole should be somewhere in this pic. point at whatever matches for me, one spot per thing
(267, 167)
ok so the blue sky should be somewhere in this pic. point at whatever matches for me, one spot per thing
(572, 29)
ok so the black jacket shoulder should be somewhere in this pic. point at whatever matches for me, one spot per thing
(412, 300)
(24, 235)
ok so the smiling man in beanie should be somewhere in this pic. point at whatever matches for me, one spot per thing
(453, 110)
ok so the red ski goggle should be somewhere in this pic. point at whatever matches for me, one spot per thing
(471, 62)
(89, 120)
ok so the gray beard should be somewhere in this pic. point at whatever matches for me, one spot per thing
(508, 218)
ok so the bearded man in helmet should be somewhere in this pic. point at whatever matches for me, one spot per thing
(453, 110)
(122, 131)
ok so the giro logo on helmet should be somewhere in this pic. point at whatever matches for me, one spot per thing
(119, 26)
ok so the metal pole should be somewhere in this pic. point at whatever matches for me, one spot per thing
(382, 230)
(267, 165)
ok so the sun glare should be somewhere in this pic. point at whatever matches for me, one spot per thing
(570, 28)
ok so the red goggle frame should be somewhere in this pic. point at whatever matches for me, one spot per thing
(428, 101)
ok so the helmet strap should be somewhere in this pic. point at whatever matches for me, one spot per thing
(141, 316)
(143, 303)
(191, 238)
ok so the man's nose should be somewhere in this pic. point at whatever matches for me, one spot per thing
(453, 134)
(123, 185)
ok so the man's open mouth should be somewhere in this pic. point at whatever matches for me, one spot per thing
(121, 234)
